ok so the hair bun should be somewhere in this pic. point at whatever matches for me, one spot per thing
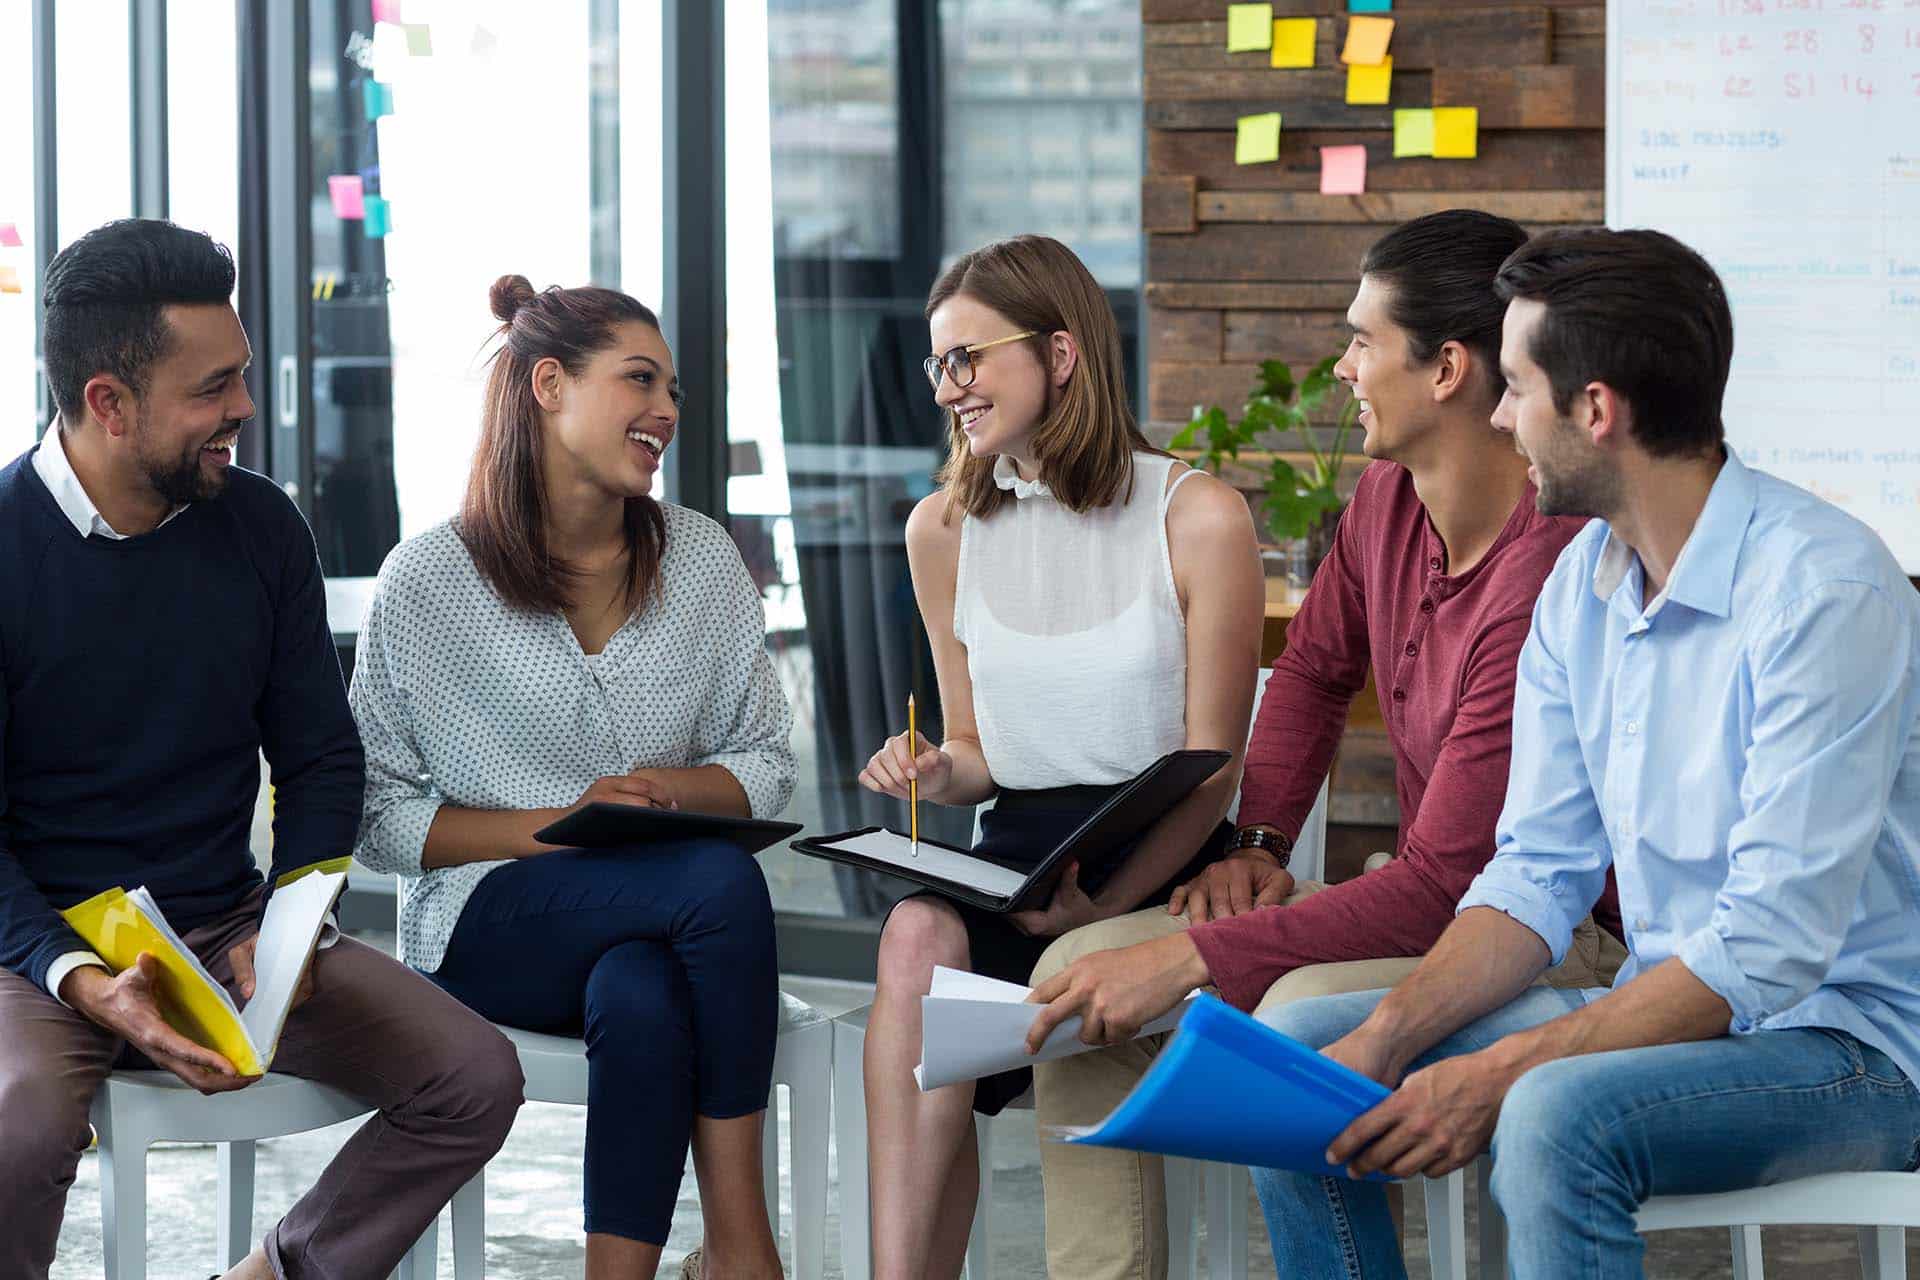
(508, 295)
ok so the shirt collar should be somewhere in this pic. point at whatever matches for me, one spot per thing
(1702, 578)
(56, 472)
(1007, 476)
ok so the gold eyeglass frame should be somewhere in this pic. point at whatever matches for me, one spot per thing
(936, 366)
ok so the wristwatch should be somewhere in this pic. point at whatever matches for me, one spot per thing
(1262, 838)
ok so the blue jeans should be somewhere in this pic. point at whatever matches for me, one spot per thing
(1582, 1142)
(663, 958)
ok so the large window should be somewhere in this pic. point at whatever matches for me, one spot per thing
(17, 380)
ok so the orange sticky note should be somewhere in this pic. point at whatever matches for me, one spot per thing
(1456, 133)
(1343, 171)
(10, 281)
(1293, 42)
(1367, 41)
(1370, 86)
(1249, 27)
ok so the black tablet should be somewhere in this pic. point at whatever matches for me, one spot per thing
(603, 825)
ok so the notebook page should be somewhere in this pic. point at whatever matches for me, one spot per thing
(295, 914)
(959, 868)
(143, 900)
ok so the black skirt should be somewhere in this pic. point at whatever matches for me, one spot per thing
(1019, 830)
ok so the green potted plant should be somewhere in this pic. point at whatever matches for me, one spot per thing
(1301, 503)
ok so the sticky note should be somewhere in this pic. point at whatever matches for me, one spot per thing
(1249, 27)
(370, 178)
(484, 42)
(379, 217)
(386, 10)
(1259, 140)
(419, 39)
(1369, 6)
(1343, 171)
(1456, 132)
(1367, 41)
(10, 281)
(1293, 42)
(1413, 132)
(379, 99)
(349, 197)
(9, 235)
(1370, 86)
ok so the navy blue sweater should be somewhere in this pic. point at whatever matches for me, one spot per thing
(142, 680)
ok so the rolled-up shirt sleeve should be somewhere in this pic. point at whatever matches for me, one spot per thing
(1551, 851)
(400, 801)
(746, 726)
(1827, 737)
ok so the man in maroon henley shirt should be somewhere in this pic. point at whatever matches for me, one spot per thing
(1431, 582)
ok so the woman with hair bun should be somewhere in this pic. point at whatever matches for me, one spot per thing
(569, 638)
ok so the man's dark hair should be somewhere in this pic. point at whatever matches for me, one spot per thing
(1439, 272)
(103, 300)
(1640, 312)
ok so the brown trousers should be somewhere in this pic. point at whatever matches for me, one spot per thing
(444, 1085)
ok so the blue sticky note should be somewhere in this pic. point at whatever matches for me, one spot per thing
(1369, 6)
(379, 217)
(379, 99)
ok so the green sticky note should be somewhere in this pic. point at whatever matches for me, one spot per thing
(1369, 6)
(419, 39)
(1413, 132)
(378, 97)
(1249, 27)
(1293, 42)
(1259, 139)
(379, 217)
(1370, 86)
(1456, 132)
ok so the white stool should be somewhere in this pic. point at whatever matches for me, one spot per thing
(556, 1071)
(135, 1109)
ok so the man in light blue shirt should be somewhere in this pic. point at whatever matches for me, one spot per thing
(1719, 700)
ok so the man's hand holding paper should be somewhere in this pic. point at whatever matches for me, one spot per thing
(241, 958)
(128, 1005)
(1117, 993)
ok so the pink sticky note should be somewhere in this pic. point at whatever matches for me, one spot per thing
(349, 195)
(9, 235)
(1343, 171)
(386, 10)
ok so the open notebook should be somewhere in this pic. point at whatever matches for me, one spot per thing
(995, 886)
(119, 925)
(1229, 1088)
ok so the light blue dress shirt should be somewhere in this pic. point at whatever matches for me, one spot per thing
(1742, 751)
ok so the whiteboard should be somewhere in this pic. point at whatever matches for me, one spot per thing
(1781, 138)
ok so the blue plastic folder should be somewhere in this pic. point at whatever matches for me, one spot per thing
(1228, 1088)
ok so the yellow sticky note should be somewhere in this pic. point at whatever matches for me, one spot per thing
(1366, 40)
(1456, 132)
(1413, 132)
(1249, 27)
(10, 281)
(1293, 42)
(1370, 86)
(419, 39)
(1259, 140)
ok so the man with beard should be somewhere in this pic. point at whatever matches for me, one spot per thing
(162, 623)
(1718, 700)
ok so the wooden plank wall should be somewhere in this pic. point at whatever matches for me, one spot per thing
(1246, 263)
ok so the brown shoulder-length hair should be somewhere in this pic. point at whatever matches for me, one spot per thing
(1086, 441)
(503, 519)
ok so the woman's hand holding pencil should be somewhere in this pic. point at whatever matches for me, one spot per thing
(905, 763)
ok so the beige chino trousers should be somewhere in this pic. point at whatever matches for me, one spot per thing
(1106, 1210)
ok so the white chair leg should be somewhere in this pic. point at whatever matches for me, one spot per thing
(980, 1238)
(423, 1259)
(1883, 1253)
(1228, 1186)
(770, 1160)
(1446, 1200)
(1493, 1223)
(234, 1216)
(470, 1229)
(807, 1128)
(1746, 1253)
(123, 1197)
(850, 1140)
(1183, 1242)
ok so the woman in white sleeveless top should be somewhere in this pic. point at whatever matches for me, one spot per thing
(1092, 605)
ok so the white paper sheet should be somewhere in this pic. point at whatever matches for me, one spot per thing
(288, 931)
(972, 873)
(973, 1026)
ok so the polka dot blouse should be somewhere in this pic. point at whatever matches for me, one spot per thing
(463, 700)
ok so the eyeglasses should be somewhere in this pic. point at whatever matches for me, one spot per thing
(957, 364)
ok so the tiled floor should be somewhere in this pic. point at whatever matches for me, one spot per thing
(533, 1213)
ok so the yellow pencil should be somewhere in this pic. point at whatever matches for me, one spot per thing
(913, 783)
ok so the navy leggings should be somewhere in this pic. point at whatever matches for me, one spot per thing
(663, 958)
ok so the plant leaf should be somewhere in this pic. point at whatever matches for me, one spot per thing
(1276, 380)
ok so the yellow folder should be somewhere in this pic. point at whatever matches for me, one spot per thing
(120, 925)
